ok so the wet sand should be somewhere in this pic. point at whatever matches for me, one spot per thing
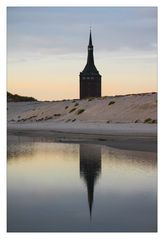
(139, 137)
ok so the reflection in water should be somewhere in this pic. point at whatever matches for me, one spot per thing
(46, 194)
(90, 168)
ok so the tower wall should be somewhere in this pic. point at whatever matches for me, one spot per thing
(90, 87)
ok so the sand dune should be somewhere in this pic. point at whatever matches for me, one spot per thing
(134, 108)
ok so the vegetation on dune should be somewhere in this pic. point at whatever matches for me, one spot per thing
(76, 104)
(111, 102)
(150, 121)
(48, 117)
(66, 107)
(18, 98)
(68, 120)
(80, 111)
(24, 119)
(73, 109)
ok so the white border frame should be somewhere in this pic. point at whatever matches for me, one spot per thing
(3, 223)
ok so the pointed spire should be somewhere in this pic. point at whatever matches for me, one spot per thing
(90, 67)
(90, 38)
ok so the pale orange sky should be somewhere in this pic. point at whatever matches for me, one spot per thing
(45, 59)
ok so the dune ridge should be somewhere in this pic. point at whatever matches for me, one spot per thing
(132, 108)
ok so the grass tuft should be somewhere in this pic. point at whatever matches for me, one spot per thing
(80, 111)
(150, 121)
(111, 102)
(73, 109)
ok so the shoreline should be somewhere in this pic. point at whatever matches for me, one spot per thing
(128, 136)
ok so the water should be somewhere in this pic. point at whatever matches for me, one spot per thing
(61, 187)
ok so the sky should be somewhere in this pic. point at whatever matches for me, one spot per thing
(47, 49)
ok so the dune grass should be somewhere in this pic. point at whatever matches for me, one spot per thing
(73, 109)
(111, 102)
(80, 111)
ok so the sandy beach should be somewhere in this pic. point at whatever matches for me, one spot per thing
(126, 122)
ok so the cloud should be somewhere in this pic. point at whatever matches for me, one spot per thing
(56, 30)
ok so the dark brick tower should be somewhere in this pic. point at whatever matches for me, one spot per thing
(90, 79)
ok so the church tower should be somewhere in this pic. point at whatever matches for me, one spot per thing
(90, 79)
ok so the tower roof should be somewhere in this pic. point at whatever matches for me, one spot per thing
(90, 67)
(90, 38)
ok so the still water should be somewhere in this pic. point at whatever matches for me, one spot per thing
(61, 187)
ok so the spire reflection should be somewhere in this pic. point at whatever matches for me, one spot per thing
(90, 169)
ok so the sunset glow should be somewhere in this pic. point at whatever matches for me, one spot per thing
(47, 49)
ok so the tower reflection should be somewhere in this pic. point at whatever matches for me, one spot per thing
(90, 169)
